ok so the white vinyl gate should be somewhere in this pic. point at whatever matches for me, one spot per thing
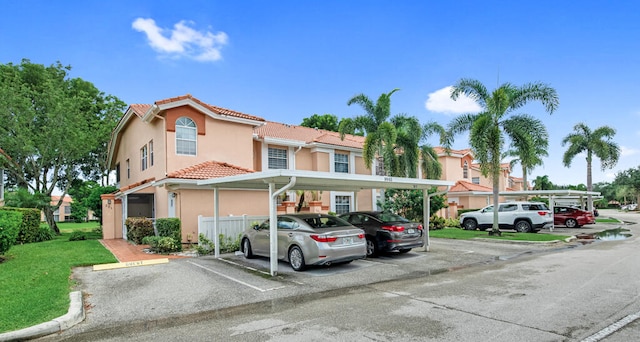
(230, 226)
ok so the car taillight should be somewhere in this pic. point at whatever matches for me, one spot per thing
(361, 236)
(419, 227)
(393, 228)
(542, 213)
(324, 238)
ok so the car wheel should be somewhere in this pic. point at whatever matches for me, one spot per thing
(372, 248)
(523, 227)
(405, 250)
(571, 223)
(296, 259)
(246, 249)
(470, 224)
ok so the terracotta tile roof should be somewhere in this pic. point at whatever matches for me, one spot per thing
(131, 186)
(308, 135)
(462, 186)
(209, 169)
(140, 109)
(55, 199)
(441, 151)
(215, 109)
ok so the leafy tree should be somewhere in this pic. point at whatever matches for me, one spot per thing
(327, 122)
(54, 128)
(489, 127)
(410, 203)
(631, 180)
(529, 148)
(597, 142)
(542, 183)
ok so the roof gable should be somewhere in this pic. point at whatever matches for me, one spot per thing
(209, 169)
(306, 135)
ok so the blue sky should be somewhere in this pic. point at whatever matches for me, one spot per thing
(287, 60)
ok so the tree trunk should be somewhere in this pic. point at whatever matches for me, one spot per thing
(525, 186)
(48, 215)
(589, 183)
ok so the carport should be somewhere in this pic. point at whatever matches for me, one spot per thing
(279, 181)
(552, 195)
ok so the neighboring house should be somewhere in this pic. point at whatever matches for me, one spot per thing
(63, 213)
(160, 151)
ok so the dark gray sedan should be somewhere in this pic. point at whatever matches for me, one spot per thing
(386, 231)
(307, 239)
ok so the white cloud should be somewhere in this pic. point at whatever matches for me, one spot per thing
(440, 101)
(182, 40)
(625, 151)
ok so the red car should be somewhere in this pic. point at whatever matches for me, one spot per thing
(572, 217)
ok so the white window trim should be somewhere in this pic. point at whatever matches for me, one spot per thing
(342, 193)
(332, 161)
(196, 139)
(291, 156)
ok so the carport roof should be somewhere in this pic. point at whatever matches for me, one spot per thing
(315, 180)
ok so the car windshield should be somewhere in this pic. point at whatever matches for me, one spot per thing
(325, 222)
(389, 217)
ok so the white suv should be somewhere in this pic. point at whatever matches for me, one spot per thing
(524, 217)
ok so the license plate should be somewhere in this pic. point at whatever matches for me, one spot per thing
(411, 231)
(347, 240)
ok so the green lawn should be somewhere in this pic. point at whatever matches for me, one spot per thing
(35, 278)
(607, 220)
(457, 233)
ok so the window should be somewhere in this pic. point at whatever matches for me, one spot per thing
(465, 170)
(143, 157)
(343, 204)
(508, 207)
(475, 180)
(380, 167)
(67, 210)
(151, 153)
(342, 163)
(128, 169)
(118, 173)
(277, 158)
(186, 136)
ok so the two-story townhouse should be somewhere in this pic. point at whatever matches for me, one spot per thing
(159, 152)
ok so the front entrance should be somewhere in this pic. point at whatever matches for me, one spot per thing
(137, 205)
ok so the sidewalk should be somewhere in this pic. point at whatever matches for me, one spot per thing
(126, 252)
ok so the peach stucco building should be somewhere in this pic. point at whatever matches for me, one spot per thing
(160, 151)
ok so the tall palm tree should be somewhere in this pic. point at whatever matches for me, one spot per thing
(597, 142)
(488, 128)
(529, 148)
(542, 183)
(380, 134)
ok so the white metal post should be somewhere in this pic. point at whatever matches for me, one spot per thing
(216, 223)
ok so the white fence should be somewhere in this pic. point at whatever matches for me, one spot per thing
(229, 226)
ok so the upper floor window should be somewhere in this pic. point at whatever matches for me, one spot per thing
(128, 169)
(465, 170)
(143, 157)
(475, 180)
(277, 158)
(151, 153)
(380, 167)
(342, 163)
(118, 172)
(186, 136)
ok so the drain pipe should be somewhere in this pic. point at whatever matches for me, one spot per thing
(273, 223)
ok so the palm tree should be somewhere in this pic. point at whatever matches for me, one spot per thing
(529, 149)
(597, 142)
(487, 128)
(381, 135)
(542, 183)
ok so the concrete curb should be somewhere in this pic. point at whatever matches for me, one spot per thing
(74, 316)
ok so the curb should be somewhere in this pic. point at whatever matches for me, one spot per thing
(74, 316)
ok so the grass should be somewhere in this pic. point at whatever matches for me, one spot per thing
(461, 234)
(35, 278)
(607, 220)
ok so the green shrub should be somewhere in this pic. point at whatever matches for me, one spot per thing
(138, 228)
(452, 223)
(227, 244)
(169, 227)
(77, 236)
(30, 230)
(9, 228)
(162, 244)
(436, 222)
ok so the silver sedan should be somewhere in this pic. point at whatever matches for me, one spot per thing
(307, 239)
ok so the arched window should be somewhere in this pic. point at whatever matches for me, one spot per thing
(186, 134)
(465, 170)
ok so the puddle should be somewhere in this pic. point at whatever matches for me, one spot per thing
(613, 234)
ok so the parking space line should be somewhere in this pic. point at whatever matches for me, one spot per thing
(245, 266)
(234, 279)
